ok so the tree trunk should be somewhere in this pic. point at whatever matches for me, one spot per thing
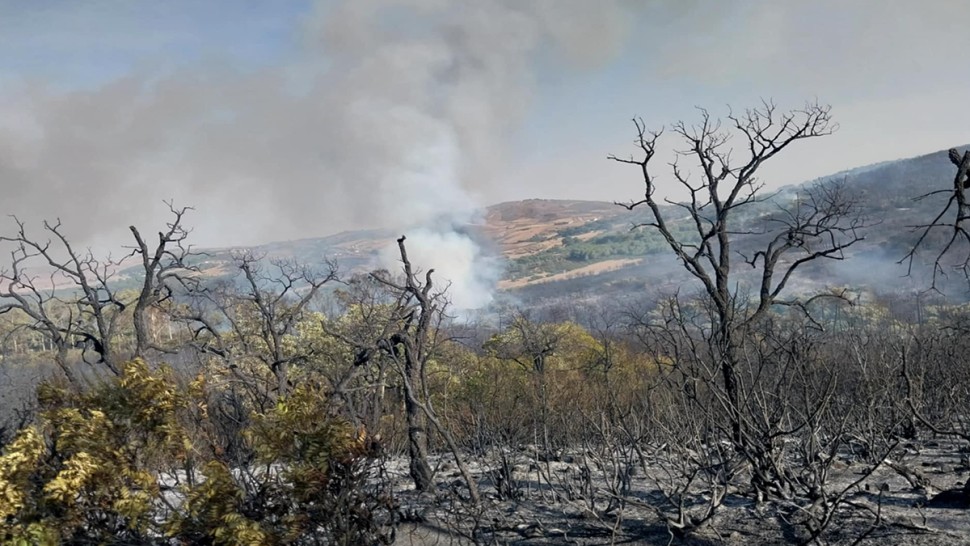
(729, 361)
(729, 373)
(281, 372)
(139, 320)
(417, 431)
(60, 358)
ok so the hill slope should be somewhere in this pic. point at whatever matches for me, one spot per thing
(557, 248)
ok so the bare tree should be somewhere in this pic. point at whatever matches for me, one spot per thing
(362, 387)
(26, 295)
(71, 297)
(820, 225)
(408, 337)
(65, 293)
(165, 267)
(253, 319)
(411, 342)
(957, 226)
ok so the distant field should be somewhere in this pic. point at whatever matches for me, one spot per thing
(592, 269)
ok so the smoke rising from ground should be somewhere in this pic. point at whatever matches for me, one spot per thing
(391, 114)
(459, 265)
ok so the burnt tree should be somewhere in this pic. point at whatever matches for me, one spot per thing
(705, 230)
(409, 342)
(71, 298)
(956, 225)
(166, 268)
(250, 317)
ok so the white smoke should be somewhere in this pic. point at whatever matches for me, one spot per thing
(388, 114)
(462, 84)
(458, 263)
(427, 190)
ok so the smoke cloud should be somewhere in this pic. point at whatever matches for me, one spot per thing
(391, 114)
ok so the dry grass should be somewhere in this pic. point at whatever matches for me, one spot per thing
(591, 269)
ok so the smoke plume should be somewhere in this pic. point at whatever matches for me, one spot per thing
(388, 114)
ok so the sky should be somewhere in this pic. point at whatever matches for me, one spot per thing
(298, 118)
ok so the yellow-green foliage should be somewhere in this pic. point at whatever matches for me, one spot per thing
(298, 432)
(297, 445)
(93, 455)
(497, 396)
(504, 392)
(16, 467)
(89, 470)
(300, 439)
(313, 347)
(212, 511)
(448, 370)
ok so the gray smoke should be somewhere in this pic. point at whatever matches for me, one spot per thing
(393, 115)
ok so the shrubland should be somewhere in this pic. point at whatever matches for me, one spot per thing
(287, 405)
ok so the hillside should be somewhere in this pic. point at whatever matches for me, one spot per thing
(556, 248)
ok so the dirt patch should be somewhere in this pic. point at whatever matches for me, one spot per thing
(524, 228)
(592, 269)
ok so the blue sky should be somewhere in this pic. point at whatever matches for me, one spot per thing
(85, 44)
(299, 118)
